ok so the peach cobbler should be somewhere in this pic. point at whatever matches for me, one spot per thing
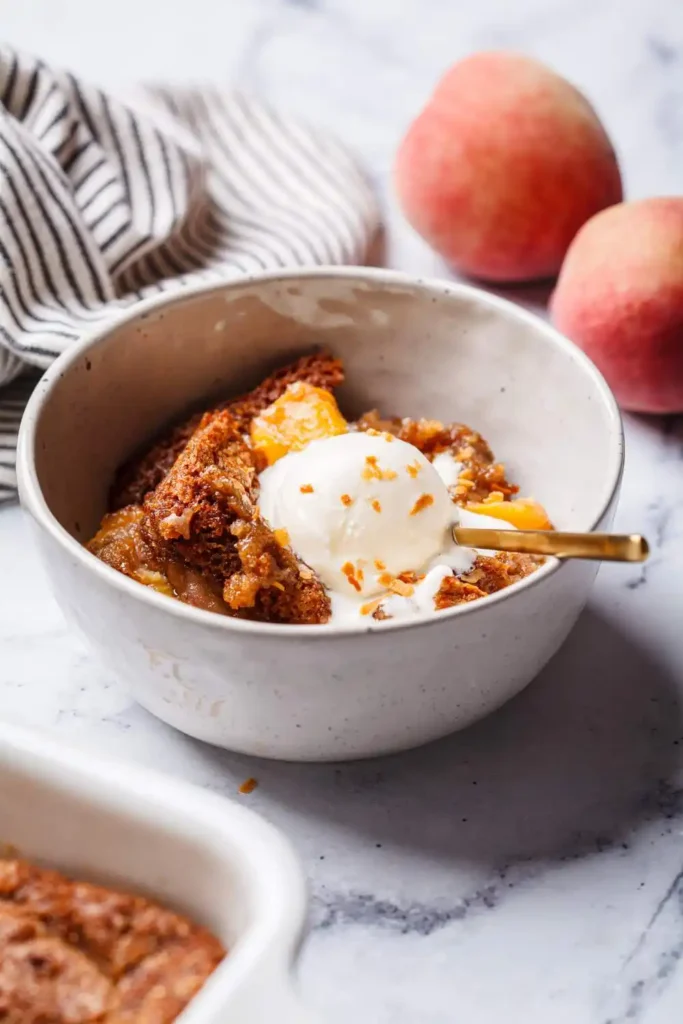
(76, 953)
(273, 507)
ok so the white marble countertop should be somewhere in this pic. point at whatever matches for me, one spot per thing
(529, 870)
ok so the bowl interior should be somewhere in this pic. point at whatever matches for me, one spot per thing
(450, 353)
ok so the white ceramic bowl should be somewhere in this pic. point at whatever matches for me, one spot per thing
(417, 348)
(194, 851)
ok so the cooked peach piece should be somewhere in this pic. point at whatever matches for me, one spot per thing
(303, 413)
(524, 513)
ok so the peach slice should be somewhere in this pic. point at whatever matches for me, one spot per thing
(524, 513)
(302, 414)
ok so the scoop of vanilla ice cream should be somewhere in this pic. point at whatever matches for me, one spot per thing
(358, 506)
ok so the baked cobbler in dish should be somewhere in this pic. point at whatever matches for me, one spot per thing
(76, 953)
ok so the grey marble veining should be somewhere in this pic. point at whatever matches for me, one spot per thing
(529, 870)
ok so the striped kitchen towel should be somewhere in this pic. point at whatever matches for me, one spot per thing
(105, 202)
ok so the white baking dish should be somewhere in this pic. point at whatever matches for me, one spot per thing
(194, 851)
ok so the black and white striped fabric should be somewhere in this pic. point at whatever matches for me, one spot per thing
(104, 202)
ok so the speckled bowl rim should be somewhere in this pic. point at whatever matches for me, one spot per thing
(34, 502)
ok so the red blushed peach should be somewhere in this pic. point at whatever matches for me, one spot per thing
(620, 298)
(503, 166)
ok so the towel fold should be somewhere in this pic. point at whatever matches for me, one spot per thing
(105, 202)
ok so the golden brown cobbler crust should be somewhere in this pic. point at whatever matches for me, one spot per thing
(141, 474)
(76, 953)
(203, 520)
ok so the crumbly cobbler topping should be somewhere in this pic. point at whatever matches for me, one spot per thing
(76, 953)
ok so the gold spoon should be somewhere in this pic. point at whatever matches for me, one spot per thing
(606, 547)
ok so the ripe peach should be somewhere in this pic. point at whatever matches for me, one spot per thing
(503, 166)
(620, 298)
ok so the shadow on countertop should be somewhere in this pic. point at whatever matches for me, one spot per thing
(571, 766)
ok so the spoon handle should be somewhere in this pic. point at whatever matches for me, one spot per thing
(607, 547)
